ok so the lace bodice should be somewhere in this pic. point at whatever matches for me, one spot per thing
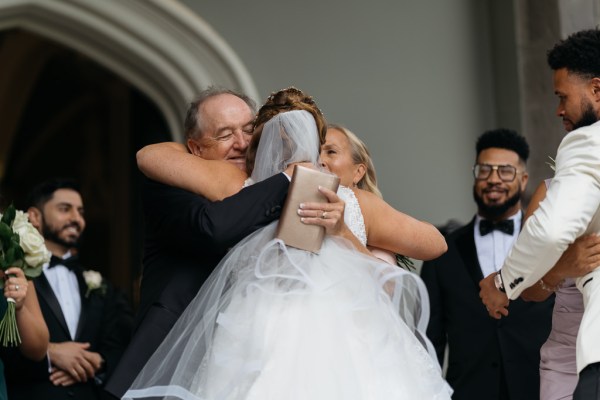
(352, 214)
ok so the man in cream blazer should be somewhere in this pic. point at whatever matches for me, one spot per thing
(572, 204)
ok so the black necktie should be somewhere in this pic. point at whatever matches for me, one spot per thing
(70, 262)
(486, 226)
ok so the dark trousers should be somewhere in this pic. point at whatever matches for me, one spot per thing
(503, 395)
(588, 386)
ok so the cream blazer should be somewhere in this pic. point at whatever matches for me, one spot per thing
(571, 209)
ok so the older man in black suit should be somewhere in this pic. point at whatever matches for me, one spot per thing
(488, 359)
(89, 321)
(186, 234)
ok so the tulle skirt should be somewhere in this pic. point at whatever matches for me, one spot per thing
(278, 323)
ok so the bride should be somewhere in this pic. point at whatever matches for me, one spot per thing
(274, 322)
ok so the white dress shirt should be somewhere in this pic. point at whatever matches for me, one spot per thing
(493, 248)
(66, 289)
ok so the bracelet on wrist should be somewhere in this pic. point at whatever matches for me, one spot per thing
(549, 288)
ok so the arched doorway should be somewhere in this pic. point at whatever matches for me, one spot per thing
(91, 82)
(67, 116)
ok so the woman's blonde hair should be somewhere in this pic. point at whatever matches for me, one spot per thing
(360, 155)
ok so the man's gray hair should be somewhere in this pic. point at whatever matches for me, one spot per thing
(193, 120)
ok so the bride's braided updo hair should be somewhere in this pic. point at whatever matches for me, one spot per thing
(287, 99)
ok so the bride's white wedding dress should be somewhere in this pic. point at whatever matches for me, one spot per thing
(295, 325)
(278, 323)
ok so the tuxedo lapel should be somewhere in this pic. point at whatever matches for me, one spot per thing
(46, 293)
(466, 248)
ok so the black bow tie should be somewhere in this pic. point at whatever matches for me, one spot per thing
(70, 262)
(486, 226)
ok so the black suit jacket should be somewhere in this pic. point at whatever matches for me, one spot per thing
(105, 322)
(186, 237)
(480, 347)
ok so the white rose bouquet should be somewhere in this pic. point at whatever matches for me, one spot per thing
(22, 246)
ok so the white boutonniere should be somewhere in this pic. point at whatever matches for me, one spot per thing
(94, 281)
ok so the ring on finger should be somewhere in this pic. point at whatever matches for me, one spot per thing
(324, 215)
(17, 287)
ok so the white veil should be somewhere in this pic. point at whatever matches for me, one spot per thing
(287, 138)
(225, 308)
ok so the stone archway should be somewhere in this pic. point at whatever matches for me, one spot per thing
(159, 46)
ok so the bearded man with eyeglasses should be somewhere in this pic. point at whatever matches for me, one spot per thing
(486, 358)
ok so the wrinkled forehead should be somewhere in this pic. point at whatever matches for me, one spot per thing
(224, 111)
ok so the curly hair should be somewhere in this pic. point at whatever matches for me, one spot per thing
(579, 54)
(503, 139)
(360, 155)
(287, 99)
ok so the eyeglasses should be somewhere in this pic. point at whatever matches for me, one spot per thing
(506, 173)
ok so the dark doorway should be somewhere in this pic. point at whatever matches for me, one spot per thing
(65, 115)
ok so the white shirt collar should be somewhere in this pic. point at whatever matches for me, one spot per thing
(494, 247)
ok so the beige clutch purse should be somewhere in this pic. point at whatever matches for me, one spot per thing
(304, 188)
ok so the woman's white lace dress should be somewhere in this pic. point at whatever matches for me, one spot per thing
(277, 323)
